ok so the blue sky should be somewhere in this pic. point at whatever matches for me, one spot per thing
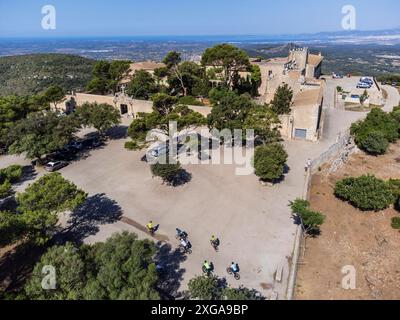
(22, 18)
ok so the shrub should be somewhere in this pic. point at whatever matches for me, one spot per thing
(12, 174)
(366, 193)
(396, 223)
(132, 145)
(376, 121)
(270, 161)
(190, 101)
(310, 220)
(205, 288)
(168, 172)
(375, 143)
(5, 189)
(394, 186)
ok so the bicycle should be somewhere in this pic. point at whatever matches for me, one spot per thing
(185, 250)
(236, 275)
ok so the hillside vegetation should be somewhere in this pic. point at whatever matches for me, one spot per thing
(30, 74)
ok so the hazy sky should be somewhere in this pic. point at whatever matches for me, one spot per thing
(22, 18)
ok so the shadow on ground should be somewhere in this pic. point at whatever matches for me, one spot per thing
(171, 275)
(17, 264)
(85, 220)
(118, 132)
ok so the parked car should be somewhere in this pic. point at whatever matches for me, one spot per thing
(63, 155)
(94, 142)
(363, 85)
(157, 151)
(75, 145)
(337, 76)
(55, 165)
(367, 80)
(395, 84)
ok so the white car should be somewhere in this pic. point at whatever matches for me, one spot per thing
(363, 85)
(55, 165)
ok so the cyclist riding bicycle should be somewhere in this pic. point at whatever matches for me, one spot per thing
(214, 240)
(184, 243)
(207, 266)
(150, 226)
(180, 234)
(234, 267)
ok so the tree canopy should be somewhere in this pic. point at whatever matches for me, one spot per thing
(42, 133)
(231, 59)
(270, 161)
(282, 102)
(121, 268)
(106, 76)
(102, 116)
(214, 288)
(41, 203)
(142, 86)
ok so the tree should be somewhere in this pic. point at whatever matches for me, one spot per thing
(168, 172)
(70, 275)
(230, 111)
(43, 200)
(231, 59)
(241, 294)
(100, 116)
(54, 94)
(184, 117)
(311, 221)
(12, 227)
(270, 161)
(282, 102)
(214, 288)
(193, 78)
(366, 193)
(172, 61)
(205, 288)
(14, 109)
(97, 86)
(265, 124)
(8, 176)
(107, 75)
(123, 269)
(142, 86)
(42, 133)
(163, 103)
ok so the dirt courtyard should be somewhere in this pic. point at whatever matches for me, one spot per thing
(364, 240)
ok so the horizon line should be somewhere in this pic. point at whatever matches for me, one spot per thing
(191, 35)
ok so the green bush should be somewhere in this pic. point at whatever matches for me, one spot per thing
(5, 189)
(394, 186)
(375, 143)
(396, 223)
(366, 135)
(132, 145)
(270, 161)
(166, 171)
(366, 193)
(310, 220)
(12, 174)
(190, 101)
